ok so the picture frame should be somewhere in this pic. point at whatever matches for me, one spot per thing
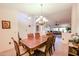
(6, 24)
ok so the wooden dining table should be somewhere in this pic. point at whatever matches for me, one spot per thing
(33, 44)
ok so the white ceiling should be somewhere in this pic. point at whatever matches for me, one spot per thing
(55, 13)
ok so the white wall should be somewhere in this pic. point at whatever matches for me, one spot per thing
(6, 34)
(23, 24)
(19, 23)
(75, 18)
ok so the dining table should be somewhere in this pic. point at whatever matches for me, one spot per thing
(32, 43)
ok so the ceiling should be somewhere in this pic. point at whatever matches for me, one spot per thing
(54, 12)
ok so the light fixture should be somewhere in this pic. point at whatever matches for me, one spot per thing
(29, 17)
(56, 24)
(41, 20)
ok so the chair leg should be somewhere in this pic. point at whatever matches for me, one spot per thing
(29, 52)
(23, 46)
(54, 47)
(50, 51)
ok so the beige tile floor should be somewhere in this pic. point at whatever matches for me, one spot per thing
(61, 49)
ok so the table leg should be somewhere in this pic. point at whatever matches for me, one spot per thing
(29, 52)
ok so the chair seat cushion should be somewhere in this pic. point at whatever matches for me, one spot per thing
(42, 48)
(22, 50)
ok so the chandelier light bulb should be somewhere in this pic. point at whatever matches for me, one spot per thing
(41, 20)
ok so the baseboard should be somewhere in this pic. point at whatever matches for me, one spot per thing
(6, 50)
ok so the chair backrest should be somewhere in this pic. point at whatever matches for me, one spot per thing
(37, 35)
(30, 36)
(16, 47)
(19, 38)
(50, 34)
(49, 44)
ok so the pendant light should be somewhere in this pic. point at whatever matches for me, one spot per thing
(41, 20)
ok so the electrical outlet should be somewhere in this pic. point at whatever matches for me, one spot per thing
(9, 42)
(63, 38)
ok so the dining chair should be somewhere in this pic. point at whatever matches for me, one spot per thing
(30, 36)
(37, 35)
(53, 38)
(19, 52)
(47, 48)
(19, 41)
(49, 44)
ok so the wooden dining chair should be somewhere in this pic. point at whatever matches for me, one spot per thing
(53, 38)
(30, 36)
(19, 39)
(47, 47)
(37, 35)
(17, 48)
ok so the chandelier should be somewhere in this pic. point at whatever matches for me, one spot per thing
(41, 20)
